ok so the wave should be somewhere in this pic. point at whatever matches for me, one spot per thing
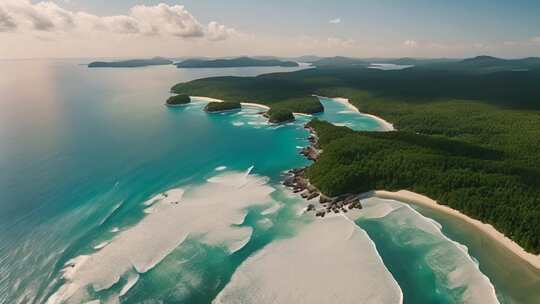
(334, 262)
(450, 261)
(209, 210)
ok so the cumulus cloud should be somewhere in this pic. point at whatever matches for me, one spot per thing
(161, 19)
(335, 21)
(410, 43)
(216, 31)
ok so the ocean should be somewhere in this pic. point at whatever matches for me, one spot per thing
(109, 196)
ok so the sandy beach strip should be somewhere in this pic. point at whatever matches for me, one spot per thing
(256, 105)
(248, 104)
(418, 199)
(206, 99)
(385, 125)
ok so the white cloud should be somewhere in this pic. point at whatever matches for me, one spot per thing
(335, 21)
(410, 43)
(22, 16)
(164, 19)
(536, 40)
(216, 32)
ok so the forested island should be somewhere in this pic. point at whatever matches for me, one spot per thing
(134, 63)
(176, 100)
(469, 139)
(235, 63)
(217, 106)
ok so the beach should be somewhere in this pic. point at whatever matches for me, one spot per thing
(418, 199)
(385, 125)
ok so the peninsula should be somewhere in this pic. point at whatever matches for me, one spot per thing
(235, 63)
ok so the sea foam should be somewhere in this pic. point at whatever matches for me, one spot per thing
(329, 261)
(449, 260)
(209, 210)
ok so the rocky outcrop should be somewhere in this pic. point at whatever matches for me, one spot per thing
(296, 179)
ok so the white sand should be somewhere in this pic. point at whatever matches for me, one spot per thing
(256, 105)
(385, 125)
(329, 261)
(415, 198)
(205, 99)
(248, 104)
(208, 211)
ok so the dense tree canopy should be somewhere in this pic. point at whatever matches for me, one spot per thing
(468, 137)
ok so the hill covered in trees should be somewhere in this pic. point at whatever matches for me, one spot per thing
(134, 63)
(179, 99)
(234, 63)
(469, 140)
(216, 106)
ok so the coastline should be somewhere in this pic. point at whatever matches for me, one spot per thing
(248, 104)
(418, 199)
(488, 230)
(385, 125)
(256, 105)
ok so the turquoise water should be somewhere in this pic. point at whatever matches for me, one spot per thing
(84, 149)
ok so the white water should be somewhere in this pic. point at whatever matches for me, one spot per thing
(329, 261)
(449, 260)
(209, 210)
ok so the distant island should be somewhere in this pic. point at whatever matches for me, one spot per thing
(235, 63)
(134, 63)
(217, 106)
(468, 140)
(176, 100)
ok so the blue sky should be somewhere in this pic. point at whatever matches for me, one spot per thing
(364, 28)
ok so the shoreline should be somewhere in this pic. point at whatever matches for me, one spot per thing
(418, 199)
(256, 105)
(488, 230)
(248, 104)
(385, 125)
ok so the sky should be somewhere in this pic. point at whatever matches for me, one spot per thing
(356, 28)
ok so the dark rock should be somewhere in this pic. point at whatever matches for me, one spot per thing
(323, 199)
(313, 195)
(320, 213)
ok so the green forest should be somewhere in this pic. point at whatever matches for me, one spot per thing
(179, 99)
(216, 106)
(466, 139)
